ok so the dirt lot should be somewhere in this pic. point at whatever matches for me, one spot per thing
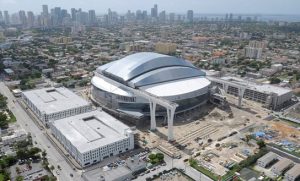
(285, 131)
(294, 112)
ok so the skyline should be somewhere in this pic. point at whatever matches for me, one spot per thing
(279, 7)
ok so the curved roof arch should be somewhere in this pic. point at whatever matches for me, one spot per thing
(137, 64)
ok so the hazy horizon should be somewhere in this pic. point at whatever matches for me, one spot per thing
(279, 7)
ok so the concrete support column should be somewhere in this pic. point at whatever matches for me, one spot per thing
(241, 95)
(170, 113)
(152, 116)
(225, 87)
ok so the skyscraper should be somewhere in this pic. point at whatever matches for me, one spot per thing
(190, 16)
(162, 16)
(172, 17)
(6, 17)
(92, 17)
(73, 14)
(1, 17)
(45, 10)
(30, 19)
(45, 16)
(154, 11)
(22, 18)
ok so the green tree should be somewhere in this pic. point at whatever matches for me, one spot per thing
(3, 102)
(3, 120)
(274, 80)
(160, 156)
(261, 144)
(152, 156)
(19, 178)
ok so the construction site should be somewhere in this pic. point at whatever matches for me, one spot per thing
(217, 136)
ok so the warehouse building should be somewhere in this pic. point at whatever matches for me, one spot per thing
(267, 159)
(280, 167)
(50, 104)
(272, 97)
(293, 174)
(93, 136)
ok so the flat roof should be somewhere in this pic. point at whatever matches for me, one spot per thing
(52, 100)
(295, 171)
(268, 157)
(282, 164)
(91, 130)
(257, 86)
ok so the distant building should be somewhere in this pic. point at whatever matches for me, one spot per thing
(293, 174)
(93, 136)
(254, 49)
(18, 135)
(92, 17)
(61, 40)
(30, 19)
(277, 67)
(190, 16)
(281, 166)
(267, 159)
(165, 48)
(251, 52)
(6, 18)
(50, 104)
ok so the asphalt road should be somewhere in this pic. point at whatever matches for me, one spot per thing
(54, 156)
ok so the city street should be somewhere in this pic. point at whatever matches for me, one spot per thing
(53, 155)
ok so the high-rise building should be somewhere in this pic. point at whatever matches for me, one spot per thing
(6, 18)
(1, 17)
(22, 18)
(30, 19)
(162, 16)
(190, 16)
(172, 17)
(45, 10)
(154, 11)
(45, 20)
(254, 49)
(73, 14)
(92, 17)
(56, 16)
(139, 15)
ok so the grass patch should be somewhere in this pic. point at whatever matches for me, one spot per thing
(1, 177)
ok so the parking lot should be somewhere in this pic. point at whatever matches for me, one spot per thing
(29, 172)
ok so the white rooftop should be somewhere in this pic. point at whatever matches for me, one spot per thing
(91, 130)
(165, 89)
(177, 87)
(258, 86)
(109, 87)
(52, 100)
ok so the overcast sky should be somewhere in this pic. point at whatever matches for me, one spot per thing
(177, 6)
